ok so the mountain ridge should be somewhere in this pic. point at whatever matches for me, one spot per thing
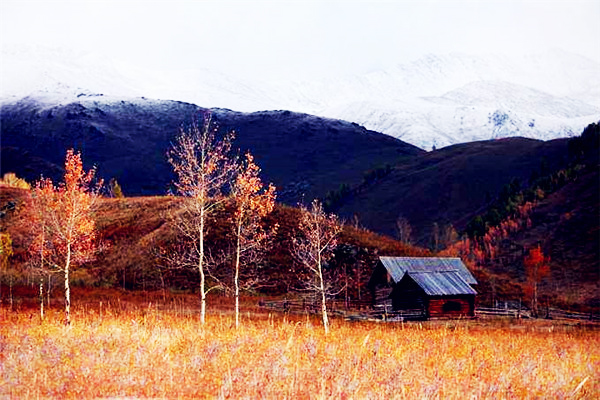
(390, 101)
(302, 154)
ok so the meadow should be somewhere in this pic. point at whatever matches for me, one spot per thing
(123, 348)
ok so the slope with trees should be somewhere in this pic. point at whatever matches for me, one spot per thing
(449, 186)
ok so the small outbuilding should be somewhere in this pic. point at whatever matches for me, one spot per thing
(424, 287)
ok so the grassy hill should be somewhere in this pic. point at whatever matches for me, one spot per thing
(133, 230)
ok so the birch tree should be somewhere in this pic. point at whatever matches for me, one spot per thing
(42, 259)
(536, 268)
(313, 246)
(203, 168)
(403, 230)
(252, 203)
(65, 215)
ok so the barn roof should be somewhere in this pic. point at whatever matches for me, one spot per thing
(442, 283)
(398, 266)
(436, 276)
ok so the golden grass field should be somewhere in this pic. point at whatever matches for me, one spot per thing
(129, 350)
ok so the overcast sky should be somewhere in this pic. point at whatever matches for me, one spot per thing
(305, 39)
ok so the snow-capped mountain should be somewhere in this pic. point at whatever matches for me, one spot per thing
(443, 100)
(437, 100)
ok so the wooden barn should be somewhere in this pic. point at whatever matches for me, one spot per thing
(424, 287)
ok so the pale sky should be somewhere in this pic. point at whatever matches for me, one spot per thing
(306, 39)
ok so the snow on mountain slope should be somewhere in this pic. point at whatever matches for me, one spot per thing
(61, 74)
(448, 99)
(476, 111)
(437, 100)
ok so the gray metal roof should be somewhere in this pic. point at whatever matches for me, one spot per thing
(398, 266)
(442, 283)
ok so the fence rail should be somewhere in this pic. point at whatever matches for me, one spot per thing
(364, 310)
(555, 313)
(502, 312)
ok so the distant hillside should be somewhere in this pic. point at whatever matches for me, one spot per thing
(449, 186)
(371, 178)
(305, 156)
(566, 225)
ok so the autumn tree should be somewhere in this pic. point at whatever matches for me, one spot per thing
(10, 179)
(448, 236)
(203, 169)
(6, 251)
(536, 268)
(313, 246)
(114, 189)
(42, 257)
(435, 237)
(65, 212)
(252, 202)
(403, 230)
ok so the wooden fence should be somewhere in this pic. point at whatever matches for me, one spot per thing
(352, 310)
(502, 312)
(363, 310)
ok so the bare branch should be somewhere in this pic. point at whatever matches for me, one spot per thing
(313, 246)
(204, 169)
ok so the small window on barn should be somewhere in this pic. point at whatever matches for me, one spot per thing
(452, 306)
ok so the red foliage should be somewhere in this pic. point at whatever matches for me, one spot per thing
(536, 268)
(61, 217)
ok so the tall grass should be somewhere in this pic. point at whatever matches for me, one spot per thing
(146, 352)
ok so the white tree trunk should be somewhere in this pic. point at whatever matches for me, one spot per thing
(42, 298)
(237, 278)
(48, 289)
(323, 303)
(67, 287)
(201, 268)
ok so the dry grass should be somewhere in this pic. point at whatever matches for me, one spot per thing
(135, 351)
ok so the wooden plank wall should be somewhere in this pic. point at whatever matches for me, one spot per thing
(436, 307)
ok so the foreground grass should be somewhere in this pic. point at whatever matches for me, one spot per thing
(145, 352)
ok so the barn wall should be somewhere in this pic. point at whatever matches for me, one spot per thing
(451, 306)
(407, 295)
(380, 287)
(381, 297)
